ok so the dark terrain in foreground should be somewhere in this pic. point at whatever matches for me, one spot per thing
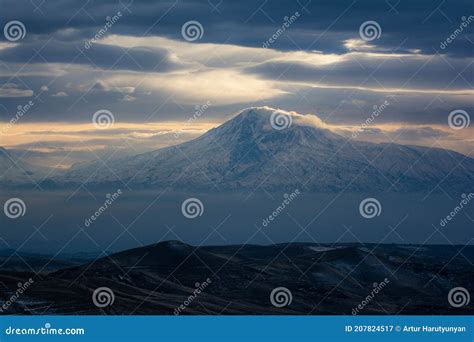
(323, 279)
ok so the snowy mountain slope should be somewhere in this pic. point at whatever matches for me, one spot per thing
(246, 152)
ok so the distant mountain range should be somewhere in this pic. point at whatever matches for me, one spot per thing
(247, 152)
(16, 171)
(239, 279)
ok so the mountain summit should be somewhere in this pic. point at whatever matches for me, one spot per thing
(270, 149)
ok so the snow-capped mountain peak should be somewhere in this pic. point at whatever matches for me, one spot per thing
(275, 150)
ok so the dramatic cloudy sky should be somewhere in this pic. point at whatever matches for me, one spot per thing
(152, 79)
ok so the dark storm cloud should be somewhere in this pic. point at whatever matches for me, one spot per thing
(380, 72)
(322, 25)
(98, 55)
(58, 30)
